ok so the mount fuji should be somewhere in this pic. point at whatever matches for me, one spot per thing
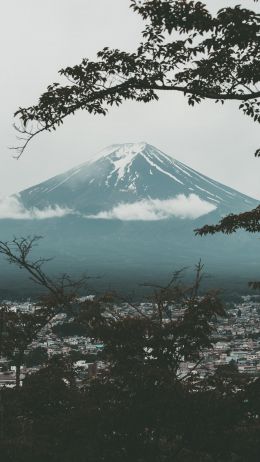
(121, 177)
(129, 215)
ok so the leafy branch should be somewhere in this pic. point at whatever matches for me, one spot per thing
(184, 49)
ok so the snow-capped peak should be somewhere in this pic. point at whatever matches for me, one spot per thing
(125, 150)
(121, 157)
(130, 173)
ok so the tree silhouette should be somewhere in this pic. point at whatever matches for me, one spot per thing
(184, 48)
(17, 328)
(140, 406)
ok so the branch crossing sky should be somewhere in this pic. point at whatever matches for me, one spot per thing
(41, 37)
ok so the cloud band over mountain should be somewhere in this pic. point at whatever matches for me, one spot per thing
(181, 206)
(189, 207)
(12, 208)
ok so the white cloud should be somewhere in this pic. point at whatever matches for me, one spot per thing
(12, 208)
(145, 210)
(155, 209)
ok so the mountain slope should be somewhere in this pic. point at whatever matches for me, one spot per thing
(129, 215)
(127, 174)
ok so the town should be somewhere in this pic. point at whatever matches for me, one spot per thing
(235, 339)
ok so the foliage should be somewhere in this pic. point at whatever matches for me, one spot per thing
(17, 328)
(36, 357)
(67, 329)
(184, 48)
(140, 406)
(249, 221)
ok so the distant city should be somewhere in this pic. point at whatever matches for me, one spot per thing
(235, 338)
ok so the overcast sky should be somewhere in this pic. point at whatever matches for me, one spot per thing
(42, 36)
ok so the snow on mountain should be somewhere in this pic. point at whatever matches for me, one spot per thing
(129, 215)
(134, 181)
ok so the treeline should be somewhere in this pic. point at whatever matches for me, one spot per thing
(140, 405)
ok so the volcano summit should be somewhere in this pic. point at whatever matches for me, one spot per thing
(125, 180)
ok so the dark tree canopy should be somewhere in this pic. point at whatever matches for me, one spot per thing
(249, 221)
(184, 48)
(140, 406)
